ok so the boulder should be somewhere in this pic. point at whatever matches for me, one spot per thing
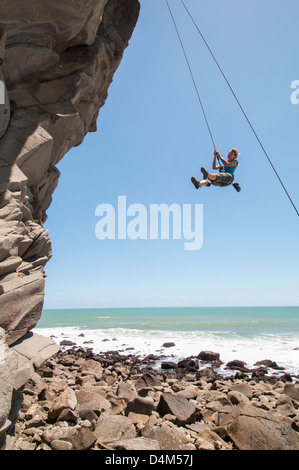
(140, 405)
(208, 356)
(68, 415)
(189, 364)
(36, 422)
(168, 365)
(243, 388)
(236, 364)
(139, 420)
(61, 445)
(114, 428)
(92, 367)
(92, 400)
(147, 380)
(124, 391)
(237, 397)
(86, 413)
(26, 445)
(179, 406)
(66, 400)
(67, 342)
(207, 374)
(189, 392)
(292, 391)
(251, 428)
(202, 444)
(138, 443)
(167, 437)
(84, 439)
(208, 435)
(268, 363)
(58, 433)
(286, 410)
(221, 406)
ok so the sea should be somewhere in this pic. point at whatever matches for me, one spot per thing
(249, 334)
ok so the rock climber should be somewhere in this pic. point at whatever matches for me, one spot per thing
(226, 170)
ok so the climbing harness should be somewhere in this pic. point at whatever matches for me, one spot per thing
(236, 186)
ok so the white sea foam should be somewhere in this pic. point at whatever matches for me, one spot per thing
(230, 345)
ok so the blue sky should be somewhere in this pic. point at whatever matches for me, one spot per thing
(152, 138)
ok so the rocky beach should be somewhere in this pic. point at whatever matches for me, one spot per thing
(58, 61)
(79, 400)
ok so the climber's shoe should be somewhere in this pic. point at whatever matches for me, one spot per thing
(204, 172)
(195, 182)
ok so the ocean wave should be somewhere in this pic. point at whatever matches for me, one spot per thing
(230, 345)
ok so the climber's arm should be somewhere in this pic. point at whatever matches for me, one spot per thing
(215, 166)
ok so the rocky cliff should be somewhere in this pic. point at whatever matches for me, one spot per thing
(57, 61)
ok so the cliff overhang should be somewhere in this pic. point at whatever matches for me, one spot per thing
(57, 61)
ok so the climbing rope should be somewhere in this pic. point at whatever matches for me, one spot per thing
(192, 76)
(231, 89)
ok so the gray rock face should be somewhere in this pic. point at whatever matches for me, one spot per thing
(31, 350)
(57, 65)
(57, 62)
